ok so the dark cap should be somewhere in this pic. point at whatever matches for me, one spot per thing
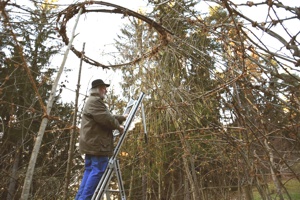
(99, 82)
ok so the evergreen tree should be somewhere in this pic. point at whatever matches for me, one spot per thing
(21, 112)
(173, 81)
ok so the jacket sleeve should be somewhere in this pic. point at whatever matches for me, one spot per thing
(102, 116)
(120, 118)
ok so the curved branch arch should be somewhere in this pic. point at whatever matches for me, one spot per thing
(68, 13)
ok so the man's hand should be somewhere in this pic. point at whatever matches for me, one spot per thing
(121, 129)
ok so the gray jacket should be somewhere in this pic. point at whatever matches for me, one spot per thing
(97, 125)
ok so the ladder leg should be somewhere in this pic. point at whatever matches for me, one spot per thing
(104, 182)
(120, 181)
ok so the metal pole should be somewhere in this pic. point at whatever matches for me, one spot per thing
(144, 123)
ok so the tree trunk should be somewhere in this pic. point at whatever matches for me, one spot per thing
(247, 190)
(144, 186)
(13, 177)
(131, 182)
(159, 183)
(173, 180)
(187, 195)
(273, 174)
(187, 163)
(192, 182)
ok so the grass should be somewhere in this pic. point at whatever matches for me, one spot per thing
(292, 186)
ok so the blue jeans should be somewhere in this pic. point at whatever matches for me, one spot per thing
(94, 169)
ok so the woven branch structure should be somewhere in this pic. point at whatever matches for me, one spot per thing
(68, 13)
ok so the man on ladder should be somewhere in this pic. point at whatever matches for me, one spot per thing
(96, 138)
(113, 164)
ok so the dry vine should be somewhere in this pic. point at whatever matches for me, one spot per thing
(68, 13)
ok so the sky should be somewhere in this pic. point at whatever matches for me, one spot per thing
(260, 14)
(98, 32)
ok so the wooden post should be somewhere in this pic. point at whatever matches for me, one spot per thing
(73, 132)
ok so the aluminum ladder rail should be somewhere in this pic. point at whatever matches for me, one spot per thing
(113, 163)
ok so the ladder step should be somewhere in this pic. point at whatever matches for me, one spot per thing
(113, 190)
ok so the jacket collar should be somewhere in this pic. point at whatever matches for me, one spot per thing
(95, 95)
